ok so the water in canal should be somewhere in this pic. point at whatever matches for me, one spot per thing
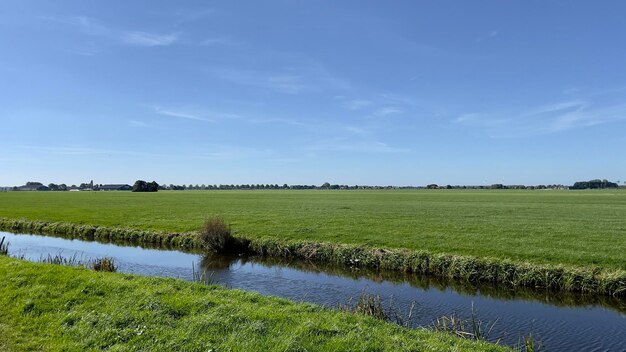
(559, 321)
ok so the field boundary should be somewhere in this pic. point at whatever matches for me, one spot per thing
(510, 273)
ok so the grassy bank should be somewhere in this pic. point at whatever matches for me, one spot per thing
(52, 308)
(579, 228)
(605, 281)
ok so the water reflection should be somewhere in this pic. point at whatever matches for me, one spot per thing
(562, 321)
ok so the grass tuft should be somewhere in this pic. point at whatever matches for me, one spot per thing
(58, 259)
(367, 304)
(104, 264)
(473, 328)
(203, 276)
(4, 247)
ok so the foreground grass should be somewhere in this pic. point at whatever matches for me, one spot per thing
(47, 307)
(580, 228)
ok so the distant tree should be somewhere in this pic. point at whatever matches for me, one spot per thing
(140, 186)
(62, 187)
(143, 186)
(326, 185)
(432, 186)
(53, 187)
(152, 187)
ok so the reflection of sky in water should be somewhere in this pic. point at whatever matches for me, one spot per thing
(558, 328)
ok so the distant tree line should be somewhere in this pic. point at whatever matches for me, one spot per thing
(594, 184)
(274, 186)
(143, 186)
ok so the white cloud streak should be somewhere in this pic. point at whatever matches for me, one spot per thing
(296, 79)
(389, 110)
(545, 119)
(181, 114)
(93, 27)
(146, 39)
(343, 145)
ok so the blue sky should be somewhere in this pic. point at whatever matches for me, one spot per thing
(350, 92)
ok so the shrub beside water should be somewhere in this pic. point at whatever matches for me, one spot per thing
(215, 235)
(104, 264)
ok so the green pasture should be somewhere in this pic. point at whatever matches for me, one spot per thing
(581, 228)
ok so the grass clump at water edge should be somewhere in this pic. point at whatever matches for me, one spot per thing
(4, 246)
(216, 235)
(104, 264)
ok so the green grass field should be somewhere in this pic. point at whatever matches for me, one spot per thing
(54, 308)
(580, 228)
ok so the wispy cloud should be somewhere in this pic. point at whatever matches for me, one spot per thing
(136, 123)
(92, 27)
(490, 35)
(228, 41)
(280, 82)
(356, 104)
(389, 110)
(231, 152)
(586, 117)
(356, 129)
(544, 119)
(204, 115)
(214, 152)
(82, 151)
(148, 39)
(346, 145)
(180, 114)
(291, 79)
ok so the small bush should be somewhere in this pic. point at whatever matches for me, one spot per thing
(215, 235)
(104, 264)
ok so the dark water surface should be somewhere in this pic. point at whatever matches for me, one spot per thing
(559, 321)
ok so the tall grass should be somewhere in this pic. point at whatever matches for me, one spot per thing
(472, 328)
(101, 264)
(372, 305)
(4, 247)
(59, 259)
(202, 276)
(367, 304)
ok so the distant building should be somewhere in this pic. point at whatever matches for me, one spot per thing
(32, 186)
(115, 188)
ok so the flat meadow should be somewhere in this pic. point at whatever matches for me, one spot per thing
(580, 228)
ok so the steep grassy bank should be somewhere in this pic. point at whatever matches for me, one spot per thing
(52, 308)
(592, 280)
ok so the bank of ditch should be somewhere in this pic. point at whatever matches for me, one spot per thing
(49, 307)
(591, 280)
